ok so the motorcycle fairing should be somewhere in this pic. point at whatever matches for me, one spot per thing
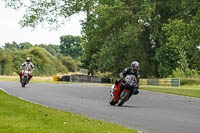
(117, 91)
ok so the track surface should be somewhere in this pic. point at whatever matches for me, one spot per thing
(148, 112)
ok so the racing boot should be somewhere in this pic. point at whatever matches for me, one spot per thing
(136, 91)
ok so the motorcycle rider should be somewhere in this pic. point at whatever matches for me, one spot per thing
(133, 70)
(27, 66)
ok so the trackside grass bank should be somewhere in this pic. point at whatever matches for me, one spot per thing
(18, 116)
(34, 79)
(185, 90)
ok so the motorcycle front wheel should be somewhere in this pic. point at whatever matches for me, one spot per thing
(112, 102)
(123, 98)
(23, 82)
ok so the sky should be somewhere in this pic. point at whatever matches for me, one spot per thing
(11, 31)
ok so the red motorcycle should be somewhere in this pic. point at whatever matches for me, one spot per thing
(123, 90)
(25, 77)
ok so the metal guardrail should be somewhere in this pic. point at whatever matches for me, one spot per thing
(86, 78)
(55, 78)
(161, 81)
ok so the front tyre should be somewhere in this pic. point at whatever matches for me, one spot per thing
(112, 102)
(24, 80)
(123, 98)
(23, 84)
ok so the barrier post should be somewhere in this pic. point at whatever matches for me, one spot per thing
(175, 82)
(55, 78)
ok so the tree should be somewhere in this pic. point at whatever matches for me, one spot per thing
(71, 46)
(6, 65)
(181, 34)
(11, 46)
(45, 63)
(114, 38)
(119, 31)
(51, 48)
(170, 58)
(14, 46)
(52, 12)
(25, 45)
(72, 64)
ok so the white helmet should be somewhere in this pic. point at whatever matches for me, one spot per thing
(135, 64)
(28, 59)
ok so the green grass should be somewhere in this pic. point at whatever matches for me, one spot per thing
(9, 78)
(18, 116)
(186, 90)
(34, 79)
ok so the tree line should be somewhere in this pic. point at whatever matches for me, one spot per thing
(162, 35)
(48, 59)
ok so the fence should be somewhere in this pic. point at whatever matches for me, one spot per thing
(161, 81)
(85, 78)
(55, 78)
(93, 79)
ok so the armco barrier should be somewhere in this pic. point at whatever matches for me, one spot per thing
(106, 80)
(65, 78)
(152, 81)
(93, 79)
(79, 78)
(85, 78)
(161, 81)
(175, 82)
(55, 78)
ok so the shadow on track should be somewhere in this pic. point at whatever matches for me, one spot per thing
(127, 106)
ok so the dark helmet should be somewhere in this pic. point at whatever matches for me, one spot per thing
(135, 64)
(28, 59)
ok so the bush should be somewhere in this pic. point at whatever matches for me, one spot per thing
(169, 58)
(45, 63)
(6, 65)
(71, 64)
(190, 81)
(187, 73)
(104, 75)
(189, 76)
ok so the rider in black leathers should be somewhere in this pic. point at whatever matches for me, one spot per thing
(133, 70)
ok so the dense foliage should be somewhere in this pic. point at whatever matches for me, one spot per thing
(47, 59)
(71, 46)
(162, 35)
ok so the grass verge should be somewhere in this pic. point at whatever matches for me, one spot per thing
(18, 116)
(34, 79)
(191, 91)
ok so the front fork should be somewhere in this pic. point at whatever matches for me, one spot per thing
(112, 90)
(115, 91)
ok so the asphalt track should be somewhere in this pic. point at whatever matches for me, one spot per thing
(148, 112)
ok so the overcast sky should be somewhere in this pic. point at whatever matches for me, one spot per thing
(10, 29)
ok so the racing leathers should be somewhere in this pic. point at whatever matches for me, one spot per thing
(129, 71)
